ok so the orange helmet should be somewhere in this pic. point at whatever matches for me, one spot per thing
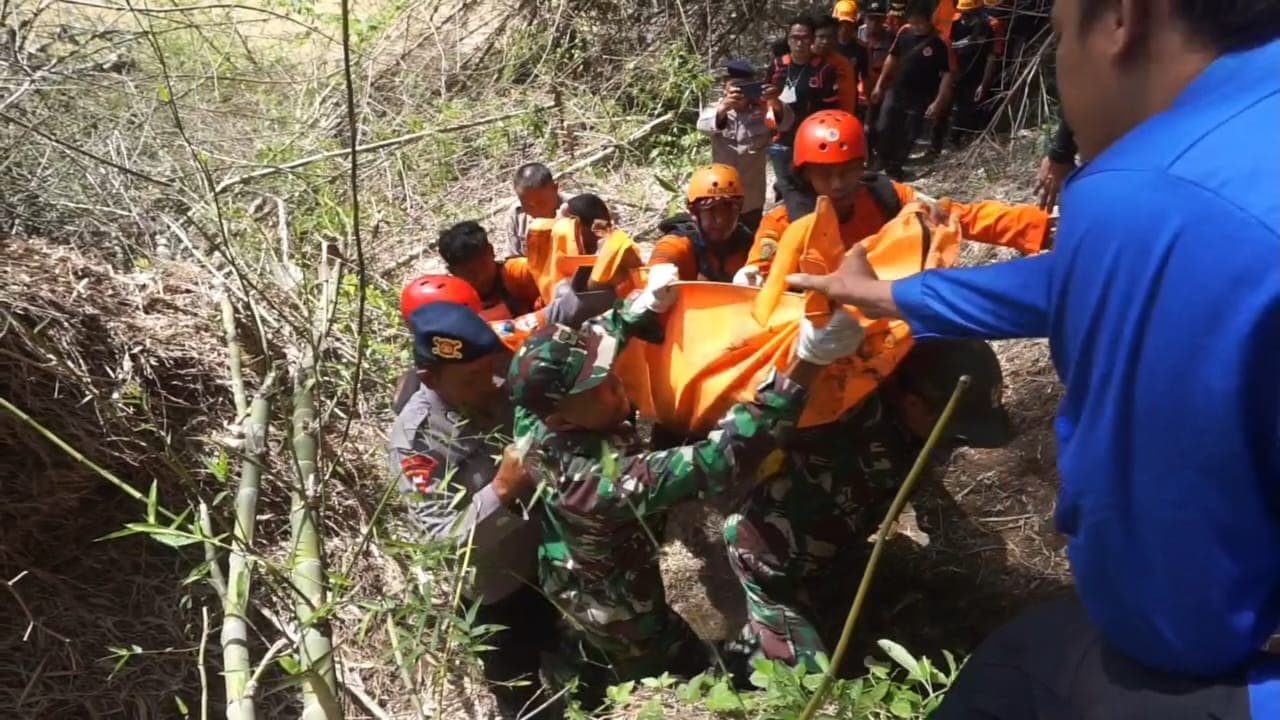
(429, 289)
(967, 5)
(829, 137)
(845, 11)
(992, 3)
(714, 181)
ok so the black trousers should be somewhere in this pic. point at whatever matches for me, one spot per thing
(512, 666)
(1052, 663)
(901, 120)
(969, 117)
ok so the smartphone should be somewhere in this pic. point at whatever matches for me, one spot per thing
(752, 90)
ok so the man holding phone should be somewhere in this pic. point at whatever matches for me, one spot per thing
(741, 125)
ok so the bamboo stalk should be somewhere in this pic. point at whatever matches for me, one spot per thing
(315, 650)
(233, 359)
(236, 661)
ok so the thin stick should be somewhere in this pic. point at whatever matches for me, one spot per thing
(233, 358)
(392, 142)
(899, 501)
(204, 673)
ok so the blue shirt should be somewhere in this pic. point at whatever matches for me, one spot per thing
(1161, 301)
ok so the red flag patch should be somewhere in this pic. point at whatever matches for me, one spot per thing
(419, 470)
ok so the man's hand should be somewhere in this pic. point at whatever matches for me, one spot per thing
(733, 99)
(658, 294)
(934, 109)
(980, 96)
(748, 275)
(853, 283)
(770, 92)
(1049, 182)
(512, 483)
(877, 96)
(840, 337)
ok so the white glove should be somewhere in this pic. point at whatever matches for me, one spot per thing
(823, 346)
(748, 275)
(658, 296)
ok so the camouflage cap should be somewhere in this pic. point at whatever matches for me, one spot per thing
(558, 361)
(931, 370)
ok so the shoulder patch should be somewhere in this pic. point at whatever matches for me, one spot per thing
(768, 249)
(419, 470)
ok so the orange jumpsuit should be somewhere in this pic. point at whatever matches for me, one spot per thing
(1022, 227)
(680, 251)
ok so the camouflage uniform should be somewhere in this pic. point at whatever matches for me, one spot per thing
(827, 495)
(604, 502)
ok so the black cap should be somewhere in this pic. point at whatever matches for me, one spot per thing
(931, 370)
(875, 7)
(739, 69)
(445, 332)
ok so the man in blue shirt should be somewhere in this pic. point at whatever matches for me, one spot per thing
(1161, 300)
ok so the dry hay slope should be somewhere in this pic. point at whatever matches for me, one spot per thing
(124, 369)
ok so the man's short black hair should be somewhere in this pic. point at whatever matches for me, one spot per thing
(920, 8)
(826, 22)
(779, 48)
(805, 20)
(463, 243)
(1225, 25)
(588, 208)
(532, 176)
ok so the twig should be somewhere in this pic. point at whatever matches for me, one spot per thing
(392, 142)
(644, 132)
(31, 621)
(353, 128)
(216, 579)
(233, 359)
(197, 8)
(81, 151)
(358, 694)
(204, 674)
(868, 573)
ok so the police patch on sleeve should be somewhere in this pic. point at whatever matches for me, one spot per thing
(768, 249)
(419, 470)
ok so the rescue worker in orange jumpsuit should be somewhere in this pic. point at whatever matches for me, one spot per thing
(831, 158)
(506, 287)
(708, 243)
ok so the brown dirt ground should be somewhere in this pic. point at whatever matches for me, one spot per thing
(987, 515)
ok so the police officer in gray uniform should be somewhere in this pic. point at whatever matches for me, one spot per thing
(441, 449)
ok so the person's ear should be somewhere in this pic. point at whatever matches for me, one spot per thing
(428, 377)
(1123, 27)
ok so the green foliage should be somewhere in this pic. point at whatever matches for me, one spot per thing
(908, 689)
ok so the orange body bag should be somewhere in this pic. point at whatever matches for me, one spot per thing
(723, 340)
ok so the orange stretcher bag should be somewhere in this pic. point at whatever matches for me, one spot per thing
(555, 255)
(722, 340)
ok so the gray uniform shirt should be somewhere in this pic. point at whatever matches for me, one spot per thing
(743, 142)
(445, 463)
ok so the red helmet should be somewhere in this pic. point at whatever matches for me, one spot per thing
(829, 137)
(429, 289)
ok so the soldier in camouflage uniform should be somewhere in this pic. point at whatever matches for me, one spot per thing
(604, 500)
(831, 490)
